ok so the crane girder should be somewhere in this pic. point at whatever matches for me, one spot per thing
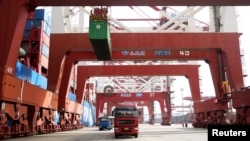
(136, 45)
(139, 2)
(190, 71)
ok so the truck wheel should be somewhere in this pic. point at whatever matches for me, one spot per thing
(136, 135)
(116, 136)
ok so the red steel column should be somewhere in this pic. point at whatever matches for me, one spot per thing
(99, 106)
(110, 105)
(64, 88)
(13, 19)
(150, 111)
(98, 101)
(165, 114)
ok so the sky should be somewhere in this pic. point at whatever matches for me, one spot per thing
(244, 27)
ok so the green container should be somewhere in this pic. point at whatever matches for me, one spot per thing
(98, 29)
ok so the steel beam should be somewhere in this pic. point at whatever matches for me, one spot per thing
(140, 2)
(181, 44)
(190, 71)
(101, 98)
(14, 15)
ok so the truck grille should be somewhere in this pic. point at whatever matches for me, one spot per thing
(126, 122)
(126, 130)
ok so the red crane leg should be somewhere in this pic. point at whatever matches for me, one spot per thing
(14, 15)
(166, 114)
(66, 106)
(167, 119)
(99, 106)
(13, 19)
(64, 87)
(110, 105)
(150, 111)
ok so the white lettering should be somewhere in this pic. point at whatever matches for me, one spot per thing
(137, 53)
(216, 132)
(125, 95)
(184, 53)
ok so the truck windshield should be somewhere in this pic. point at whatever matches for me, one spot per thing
(104, 119)
(126, 112)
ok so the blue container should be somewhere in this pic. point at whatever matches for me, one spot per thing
(37, 23)
(26, 34)
(46, 28)
(88, 117)
(41, 24)
(31, 76)
(45, 50)
(28, 25)
(56, 117)
(41, 14)
(72, 96)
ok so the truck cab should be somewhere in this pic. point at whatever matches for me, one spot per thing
(126, 121)
(105, 123)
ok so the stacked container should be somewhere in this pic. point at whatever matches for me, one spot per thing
(34, 51)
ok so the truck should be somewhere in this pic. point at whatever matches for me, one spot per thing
(105, 123)
(126, 120)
